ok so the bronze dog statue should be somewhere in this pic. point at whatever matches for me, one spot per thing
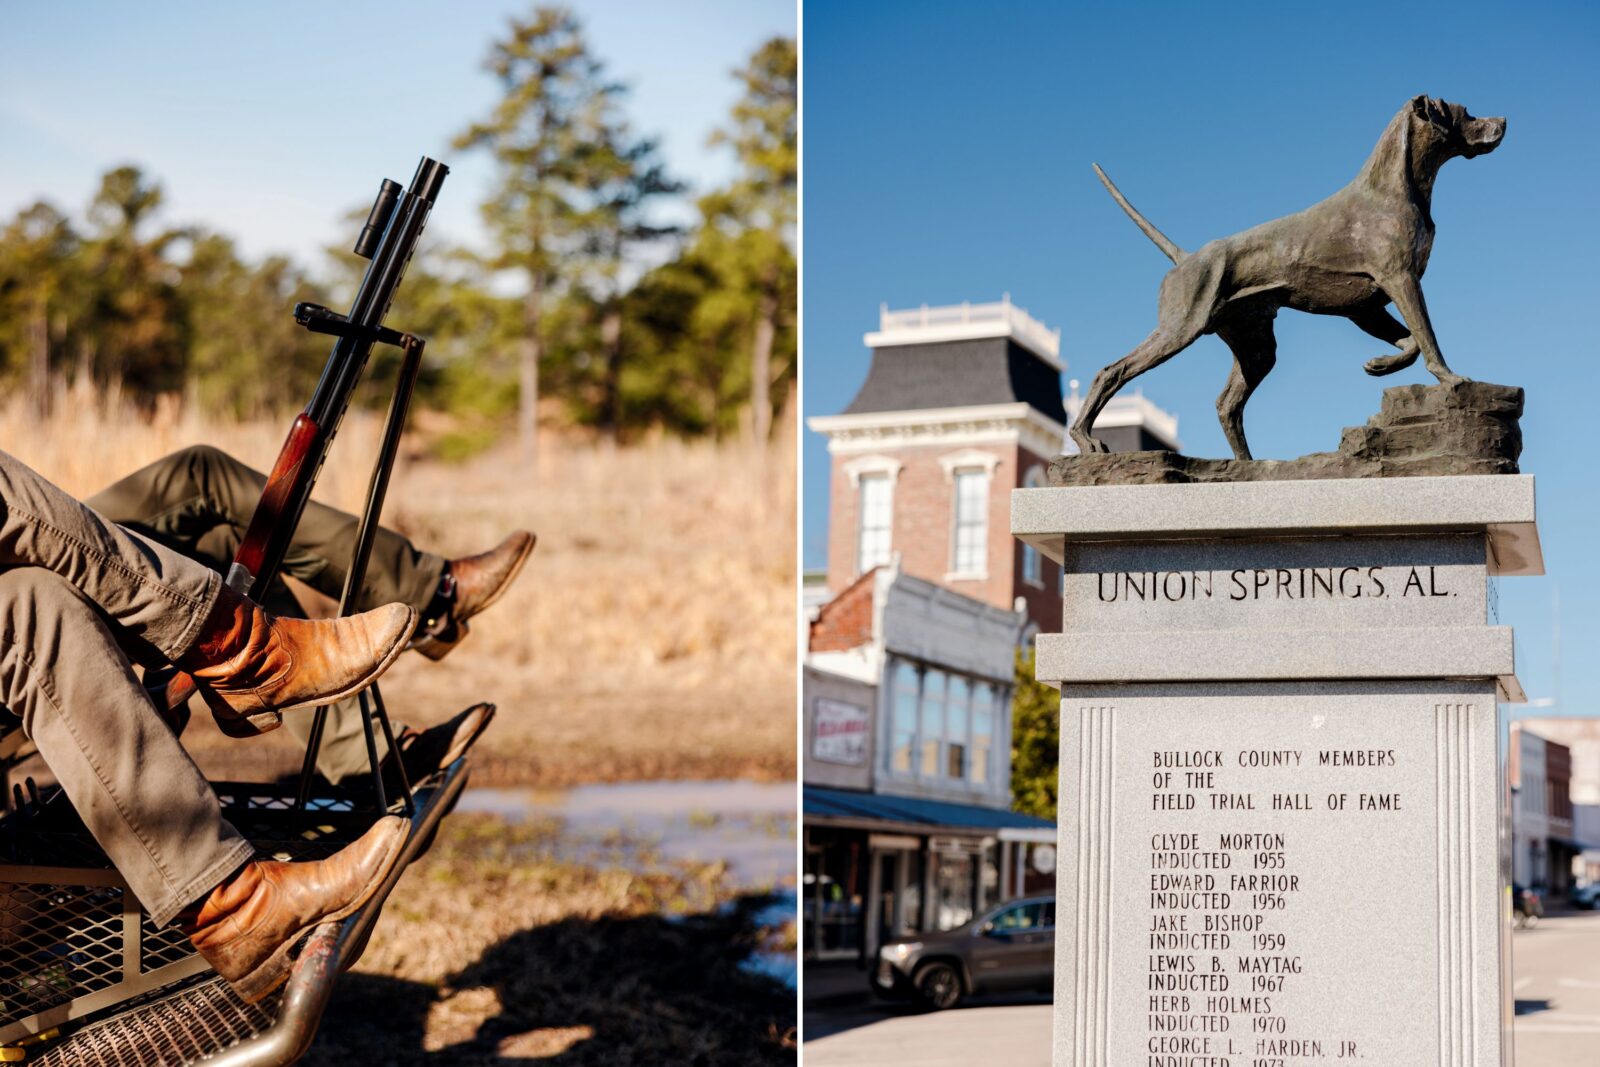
(1355, 252)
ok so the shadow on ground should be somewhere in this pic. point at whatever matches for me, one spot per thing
(645, 990)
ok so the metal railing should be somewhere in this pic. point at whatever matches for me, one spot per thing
(1024, 326)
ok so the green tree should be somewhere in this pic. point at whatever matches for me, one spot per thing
(40, 287)
(749, 226)
(628, 180)
(676, 379)
(546, 134)
(139, 336)
(1035, 742)
(246, 355)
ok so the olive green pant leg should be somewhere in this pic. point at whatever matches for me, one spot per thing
(200, 499)
(182, 497)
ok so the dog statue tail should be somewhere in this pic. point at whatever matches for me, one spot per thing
(1162, 241)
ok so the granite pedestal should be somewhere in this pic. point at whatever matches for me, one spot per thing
(1281, 803)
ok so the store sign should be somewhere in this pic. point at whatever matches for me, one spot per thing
(840, 734)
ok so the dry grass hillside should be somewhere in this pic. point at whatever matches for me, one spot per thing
(651, 636)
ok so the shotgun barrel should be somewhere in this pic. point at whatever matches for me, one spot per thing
(401, 218)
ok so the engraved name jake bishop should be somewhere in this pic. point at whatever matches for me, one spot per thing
(1270, 583)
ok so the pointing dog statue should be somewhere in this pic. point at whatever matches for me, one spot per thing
(1355, 252)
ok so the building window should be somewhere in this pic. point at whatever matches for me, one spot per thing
(877, 514)
(983, 736)
(955, 887)
(1032, 563)
(955, 727)
(932, 722)
(969, 473)
(905, 718)
(943, 726)
(971, 550)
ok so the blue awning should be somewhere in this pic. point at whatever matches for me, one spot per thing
(846, 806)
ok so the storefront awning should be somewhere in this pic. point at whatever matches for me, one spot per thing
(841, 807)
(1573, 844)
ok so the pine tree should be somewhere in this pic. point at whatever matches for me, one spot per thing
(140, 339)
(39, 285)
(547, 135)
(750, 225)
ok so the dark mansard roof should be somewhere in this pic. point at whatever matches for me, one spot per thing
(963, 373)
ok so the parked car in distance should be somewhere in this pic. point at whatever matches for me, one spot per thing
(1586, 896)
(1527, 908)
(1010, 946)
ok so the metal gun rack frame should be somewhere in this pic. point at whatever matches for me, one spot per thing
(85, 977)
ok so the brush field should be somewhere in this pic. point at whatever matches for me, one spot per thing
(651, 635)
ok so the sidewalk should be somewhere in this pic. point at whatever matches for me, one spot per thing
(835, 985)
(1014, 1035)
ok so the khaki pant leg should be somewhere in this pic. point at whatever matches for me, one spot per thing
(136, 789)
(182, 497)
(155, 593)
(343, 753)
(200, 500)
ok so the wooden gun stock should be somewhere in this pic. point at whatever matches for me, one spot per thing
(266, 539)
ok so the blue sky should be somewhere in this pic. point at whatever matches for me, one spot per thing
(270, 121)
(947, 152)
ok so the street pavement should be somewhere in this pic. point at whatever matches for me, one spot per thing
(1017, 1035)
(1557, 985)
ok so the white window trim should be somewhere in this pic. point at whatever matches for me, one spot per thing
(872, 465)
(1034, 479)
(985, 463)
(966, 459)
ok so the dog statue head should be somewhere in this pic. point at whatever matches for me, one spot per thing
(1446, 130)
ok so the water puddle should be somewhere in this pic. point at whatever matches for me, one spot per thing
(776, 956)
(748, 826)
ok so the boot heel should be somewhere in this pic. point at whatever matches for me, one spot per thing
(437, 646)
(272, 973)
(239, 724)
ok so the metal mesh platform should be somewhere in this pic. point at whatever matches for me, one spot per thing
(58, 941)
(172, 1029)
(74, 941)
(83, 966)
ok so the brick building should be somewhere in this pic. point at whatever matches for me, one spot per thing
(906, 771)
(1579, 737)
(961, 405)
(910, 663)
(1543, 844)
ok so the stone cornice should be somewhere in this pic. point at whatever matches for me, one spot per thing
(1016, 423)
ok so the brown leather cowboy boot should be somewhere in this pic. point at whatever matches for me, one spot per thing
(424, 752)
(474, 583)
(251, 666)
(247, 927)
